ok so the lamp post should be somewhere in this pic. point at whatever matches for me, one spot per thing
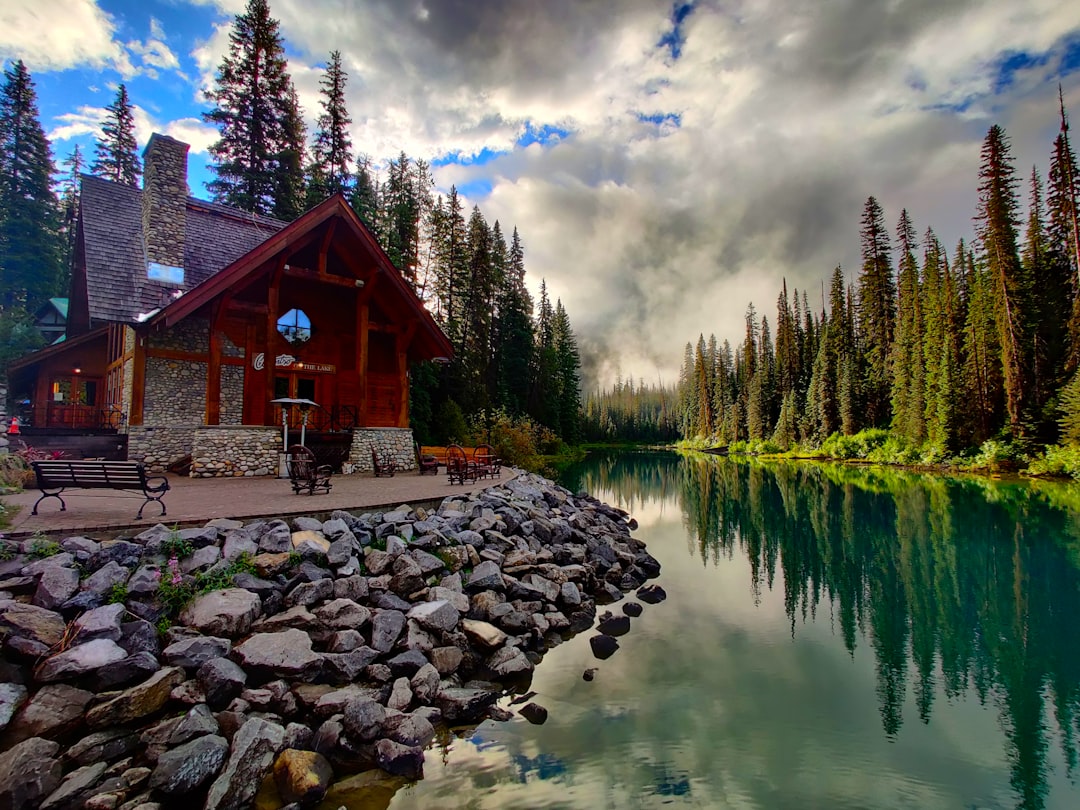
(286, 403)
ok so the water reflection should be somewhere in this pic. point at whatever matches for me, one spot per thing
(834, 637)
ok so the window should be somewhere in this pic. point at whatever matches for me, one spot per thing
(295, 327)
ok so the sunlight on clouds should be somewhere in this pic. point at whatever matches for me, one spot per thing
(59, 34)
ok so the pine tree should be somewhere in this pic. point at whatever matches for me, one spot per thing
(877, 310)
(31, 269)
(906, 356)
(996, 224)
(1063, 228)
(569, 376)
(116, 155)
(69, 205)
(365, 195)
(515, 337)
(332, 149)
(258, 160)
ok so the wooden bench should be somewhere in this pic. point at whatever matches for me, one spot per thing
(56, 476)
(305, 473)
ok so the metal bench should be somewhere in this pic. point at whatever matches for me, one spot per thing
(56, 476)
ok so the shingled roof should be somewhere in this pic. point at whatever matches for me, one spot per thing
(117, 289)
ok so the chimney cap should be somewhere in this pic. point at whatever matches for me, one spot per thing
(165, 140)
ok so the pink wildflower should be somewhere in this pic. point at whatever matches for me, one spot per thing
(174, 567)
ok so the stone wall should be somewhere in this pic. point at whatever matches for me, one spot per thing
(158, 447)
(396, 443)
(190, 335)
(175, 394)
(225, 451)
(231, 402)
(164, 200)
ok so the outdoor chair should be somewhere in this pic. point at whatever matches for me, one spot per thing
(459, 468)
(384, 467)
(425, 462)
(487, 463)
(304, 473)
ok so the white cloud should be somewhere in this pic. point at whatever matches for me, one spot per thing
(59, 34)
(87, 121)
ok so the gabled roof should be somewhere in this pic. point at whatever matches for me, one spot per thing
(434, 342)
(117, 289)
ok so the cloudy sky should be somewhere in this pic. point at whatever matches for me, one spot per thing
(666, 163)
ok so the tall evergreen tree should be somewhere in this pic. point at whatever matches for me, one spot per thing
(877, 310)
(365, 195)
(332, 148)
(996, 224)
(69, 204)
(31, 269)
(906, 356)
(569, 375)
(259, 158)
(116, 155)
(515, 343)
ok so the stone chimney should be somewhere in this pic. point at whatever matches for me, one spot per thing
(164, 201)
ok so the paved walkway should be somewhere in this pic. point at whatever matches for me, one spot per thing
(193, 501)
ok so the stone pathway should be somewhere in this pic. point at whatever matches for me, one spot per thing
(196, 500)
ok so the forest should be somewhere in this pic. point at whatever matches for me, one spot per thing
(929, 355)
(515, 369)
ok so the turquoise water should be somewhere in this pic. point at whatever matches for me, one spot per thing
(834, 637)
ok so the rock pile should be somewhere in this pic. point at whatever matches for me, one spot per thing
(328, 646)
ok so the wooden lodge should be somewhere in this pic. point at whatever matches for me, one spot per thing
(186, 319)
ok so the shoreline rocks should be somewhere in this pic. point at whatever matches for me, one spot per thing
(191, 666)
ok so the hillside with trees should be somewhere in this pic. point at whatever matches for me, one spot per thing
(928, 354)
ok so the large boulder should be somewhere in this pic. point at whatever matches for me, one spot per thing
(385, 629)
(229, 612)
(252, 753)
(486, 576)
(102, 622)
(138, 702)
(81, 659)
(400, 760)
(28, 621)
(188, 767)
(464, 704)
(55, 710)
(287, 654)
(12, 696)
(56, 585)
(363, 718)
(192, 653)
(437, 615)
(76, 788)
(509, 661)
(221, 680)
(343, 614)
(29, 772)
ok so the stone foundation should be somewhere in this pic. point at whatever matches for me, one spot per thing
(395, 443)
(226, 451)
(157, 446)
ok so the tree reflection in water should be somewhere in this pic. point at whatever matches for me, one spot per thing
(972, 583)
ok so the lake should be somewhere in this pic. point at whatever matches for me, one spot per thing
(834, 636)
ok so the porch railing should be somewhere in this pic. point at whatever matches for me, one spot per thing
(74, 417)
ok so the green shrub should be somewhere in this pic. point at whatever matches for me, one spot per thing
(997, 454)
(40, 548)
(176, 546)
(1057, 460)
(117, 594)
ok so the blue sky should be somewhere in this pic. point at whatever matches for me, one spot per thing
(665, 162)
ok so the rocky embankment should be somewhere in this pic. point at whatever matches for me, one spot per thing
(184, 667)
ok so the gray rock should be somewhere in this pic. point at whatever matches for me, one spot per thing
(102, 581)
(509, 661)
(102, 746)
(457, 599)
(56, 586)
(192, 653)
(603, 646)
(344, 641)
(28, 621)
(425, 684)
(76, 787)
(252, 753)
(81, 547)
(409, 729)
(534, 713)
(29, 772)
(55, 710)
(464, 704)
(81, 659)
(614, 625)
(145, 580)
(12, 697)
(229, 612)
(407, 663)
(190, 766)
(238, 542)
(428, 563)
(401, 695)
(287, 654)
(307, 524)
(547, 589)
(386, 627)
(363, 718)
(276, 537)
(348, 666)
(137, 667)
(138, 702)
(102, 622)
(336, 529)
(310, 593)
(341, 550)
(202, 559)
(354, 587)
(400, 760)
(376, 561)
(198, 722)
(200, 537)
(342, 614)
(570, 594)
(437, 615)
(38, 567)
(486, 576)
(221, 680)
